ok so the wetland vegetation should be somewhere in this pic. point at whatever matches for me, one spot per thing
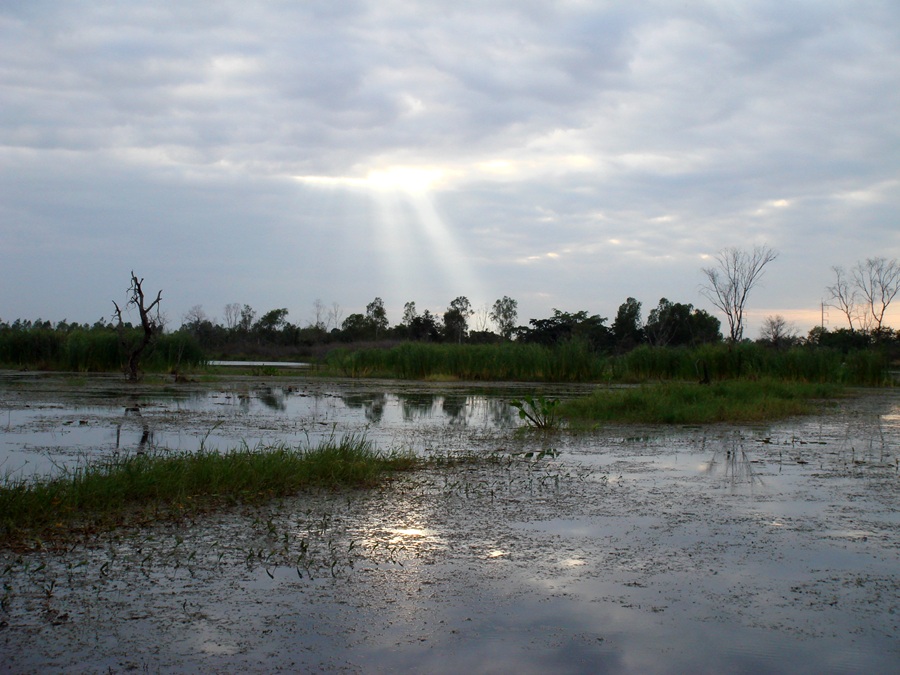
(133, 489)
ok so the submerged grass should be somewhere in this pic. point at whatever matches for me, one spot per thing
(136, 489)
(688, 403)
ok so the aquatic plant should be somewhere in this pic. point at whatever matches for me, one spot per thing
(539, 413)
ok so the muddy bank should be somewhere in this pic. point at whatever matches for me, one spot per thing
(654, 550)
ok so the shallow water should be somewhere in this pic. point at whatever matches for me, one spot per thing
(51, 421)
(769, 548)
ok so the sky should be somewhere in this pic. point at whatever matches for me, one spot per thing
(566, 154)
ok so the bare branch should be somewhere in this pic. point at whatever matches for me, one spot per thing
(729, 284)
(878, 282)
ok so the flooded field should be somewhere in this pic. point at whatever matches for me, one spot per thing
(770, 548)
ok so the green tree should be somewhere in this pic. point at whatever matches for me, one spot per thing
(356, 327)
(377, 316)
(626, 327)
(677, 324)
(565, 326)
(245, 325)
(456, 319)
(504, 314)
(271, 324)
(424, 327)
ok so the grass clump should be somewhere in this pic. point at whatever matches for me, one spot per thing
(138, 489)
(688, 403)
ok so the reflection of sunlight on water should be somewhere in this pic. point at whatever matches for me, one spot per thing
(572, 562)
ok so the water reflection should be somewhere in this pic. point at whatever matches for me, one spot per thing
(417, 405)
(272, 398)
(64, 423)
(732, 462)
(372, 404)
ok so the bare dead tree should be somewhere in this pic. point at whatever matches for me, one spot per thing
(232, 315)
(151, 325)
(778, 331)
(844, 296)
(729, 284)
(334, 316)
(878, 282)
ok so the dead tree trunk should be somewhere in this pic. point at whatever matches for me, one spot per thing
(151, 326)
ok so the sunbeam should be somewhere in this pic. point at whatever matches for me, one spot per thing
(418, 248)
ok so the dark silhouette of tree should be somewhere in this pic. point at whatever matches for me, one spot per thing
(425, 328)
(456, 319)
(151, 326)
(778, 332)
(565, 326)
(676, 324)
(271, 324)
(626, 328)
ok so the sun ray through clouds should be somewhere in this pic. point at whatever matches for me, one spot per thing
(417, 246)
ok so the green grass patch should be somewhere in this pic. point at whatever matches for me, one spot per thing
(688, 403)
(139, 489)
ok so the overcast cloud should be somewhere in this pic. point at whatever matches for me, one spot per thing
(566, 154)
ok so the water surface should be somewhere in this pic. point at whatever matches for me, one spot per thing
(722, 548)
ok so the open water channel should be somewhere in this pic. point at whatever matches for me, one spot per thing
(741, 549)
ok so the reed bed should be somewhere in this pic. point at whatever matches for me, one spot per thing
(135, 489)
(97, 350)
(732, 401)
(575, 361)
(753, 361)
(570, 362)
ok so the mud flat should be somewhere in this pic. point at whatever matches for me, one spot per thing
(772, 548)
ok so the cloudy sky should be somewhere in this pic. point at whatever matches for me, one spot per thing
(568, 154)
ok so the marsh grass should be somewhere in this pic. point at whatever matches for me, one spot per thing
(689, 403)
(575, 361)
(137, 489)
(95, 350)
(570, 362)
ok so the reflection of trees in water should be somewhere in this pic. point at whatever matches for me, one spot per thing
(732, 461)
(414, 406)
(146, 441)
(272, 398)
(372, 405)
(453, 406)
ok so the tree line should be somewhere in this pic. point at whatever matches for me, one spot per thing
(862, 296)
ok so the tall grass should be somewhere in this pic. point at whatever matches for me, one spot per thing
(135, 488)
(570, 362)
(689, 403)
(743, 361)
(96, 350)
(575, 362)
